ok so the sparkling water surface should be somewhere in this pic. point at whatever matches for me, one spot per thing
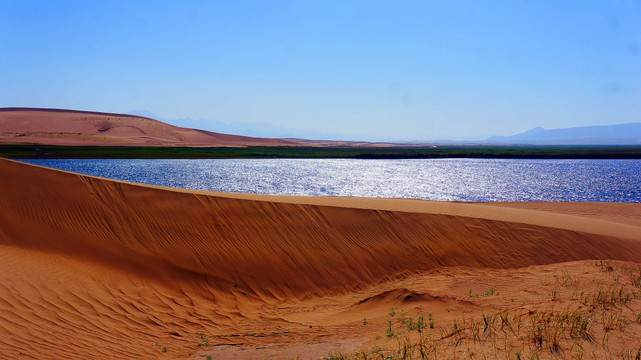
(432, 179)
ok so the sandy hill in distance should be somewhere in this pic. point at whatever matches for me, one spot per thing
(70, 127)
(94, 268)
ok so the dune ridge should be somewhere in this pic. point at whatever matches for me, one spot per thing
(73, 127)
(98, 267)
(230, 240)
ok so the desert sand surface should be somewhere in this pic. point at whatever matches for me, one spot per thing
(95, 268)
(71, 127)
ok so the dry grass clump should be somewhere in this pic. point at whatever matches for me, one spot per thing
(590, 325)
(609, 298)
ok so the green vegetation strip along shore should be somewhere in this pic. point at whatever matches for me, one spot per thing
(260, 152)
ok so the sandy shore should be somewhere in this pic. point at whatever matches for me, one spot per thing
(92, 267)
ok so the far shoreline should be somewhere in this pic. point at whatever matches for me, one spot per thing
(36, 151)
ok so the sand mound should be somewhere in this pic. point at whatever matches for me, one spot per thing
(70, 127)
(396, 296)
(97, 267)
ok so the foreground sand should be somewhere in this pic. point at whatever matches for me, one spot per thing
(93, 268)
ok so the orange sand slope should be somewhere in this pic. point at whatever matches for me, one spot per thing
(92, 267)
(69, 127)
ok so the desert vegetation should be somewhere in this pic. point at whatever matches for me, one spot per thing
(603, 323)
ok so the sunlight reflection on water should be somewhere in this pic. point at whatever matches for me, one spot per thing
(433, 179)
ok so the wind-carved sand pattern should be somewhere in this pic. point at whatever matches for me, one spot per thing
(94, 268)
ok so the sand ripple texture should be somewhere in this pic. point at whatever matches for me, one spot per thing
(94, 268)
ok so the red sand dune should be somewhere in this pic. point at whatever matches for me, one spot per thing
(98, 268)
(70, 127)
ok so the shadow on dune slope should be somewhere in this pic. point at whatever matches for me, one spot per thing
(267, 247)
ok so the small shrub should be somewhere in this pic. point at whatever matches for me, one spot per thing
(389, 332)
(420, 324)
(205, 341)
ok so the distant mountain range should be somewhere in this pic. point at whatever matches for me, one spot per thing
(254, 129)
(143, 128)
(622, 134)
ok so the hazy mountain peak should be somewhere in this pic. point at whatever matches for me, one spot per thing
(620, 134)
(144, 113)
(254, 129)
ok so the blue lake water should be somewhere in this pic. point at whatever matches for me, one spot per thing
(432, 179)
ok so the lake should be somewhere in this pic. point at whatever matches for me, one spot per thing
(432, 179)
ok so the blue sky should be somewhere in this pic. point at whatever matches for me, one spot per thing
(402, 70)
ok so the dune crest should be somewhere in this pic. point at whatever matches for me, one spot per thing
(86, 256)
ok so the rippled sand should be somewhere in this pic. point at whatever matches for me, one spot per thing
(98, 268)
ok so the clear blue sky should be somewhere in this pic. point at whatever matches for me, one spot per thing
(369, 69)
